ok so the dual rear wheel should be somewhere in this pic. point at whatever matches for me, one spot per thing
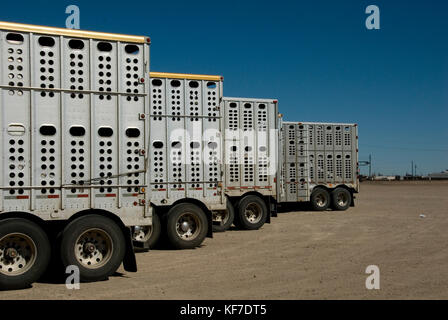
(339, 199)
(185, 226)
(93, 243)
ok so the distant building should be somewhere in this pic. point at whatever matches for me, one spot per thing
(440, 175)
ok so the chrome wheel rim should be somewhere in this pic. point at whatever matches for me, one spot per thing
(253, 212)
(143, 234)
(222, 216)
(321, 200)
(18, 254)
(342, 199)
(188, 226)
(93, 248)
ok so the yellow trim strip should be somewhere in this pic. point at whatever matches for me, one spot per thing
(71, 32)
(185, 76)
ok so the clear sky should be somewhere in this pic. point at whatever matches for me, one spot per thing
(316, 57)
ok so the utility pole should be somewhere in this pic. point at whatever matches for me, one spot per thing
(412, 170)
(370, 165)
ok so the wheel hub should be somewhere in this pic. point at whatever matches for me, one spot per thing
(185, 226)
(17, 254)
(94, 248)
(253, 213)
(11, 253)
(89, 248)
(188, 226)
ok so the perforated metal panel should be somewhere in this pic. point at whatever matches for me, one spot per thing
(251, 145)
(317, 154)
(72, 130)
(185, 140)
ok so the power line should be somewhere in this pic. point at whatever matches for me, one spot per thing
(403, 148)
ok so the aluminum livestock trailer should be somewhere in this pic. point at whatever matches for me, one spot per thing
(90, 152)
(319, 164)
(186, 152)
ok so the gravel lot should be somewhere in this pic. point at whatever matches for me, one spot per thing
(300, 255)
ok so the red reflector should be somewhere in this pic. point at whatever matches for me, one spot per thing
(22, 197)
(83, 195)
(54, 196)
(110, 195)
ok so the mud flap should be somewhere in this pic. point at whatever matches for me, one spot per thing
(129, 261)
(210, 225)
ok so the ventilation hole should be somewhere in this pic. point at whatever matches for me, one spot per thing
(105, 132)
(211, 85)
(76, 44)
(248, 149)
(46, 41)
(262, 149)
(261, 106)
(131, 49)
(175, 83)
(195, 145)
(14, 38)
(157, 144)
(77, 131)
(233, 105)
(104, 46)
(176, 144)
(193, 84)
(234, 148)
(47, 130)
(132, 132)
(156, 82)
(212, 145)
(247, 105)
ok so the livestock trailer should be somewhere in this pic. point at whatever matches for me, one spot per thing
(90, 151)
(252, 161)
(319, 164)
(185, 154)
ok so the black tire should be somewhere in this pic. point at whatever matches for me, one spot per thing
(93, 230)
(254, 206)
(20, 237)
(150, 241)
(196, 222)
(228, 220)
(320, 199)
(341, 199)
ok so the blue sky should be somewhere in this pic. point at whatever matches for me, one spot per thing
(316, 57)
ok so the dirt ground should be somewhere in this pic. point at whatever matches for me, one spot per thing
(300, 255)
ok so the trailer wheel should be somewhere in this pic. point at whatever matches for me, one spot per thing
(24, 253)
(227, 218)
(340, 199)
(95, 244)
(320, 199)
(150, 235)
(186, 226)
(252, 213)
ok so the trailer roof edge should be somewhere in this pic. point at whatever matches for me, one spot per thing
(13, 26)
(188, 76)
